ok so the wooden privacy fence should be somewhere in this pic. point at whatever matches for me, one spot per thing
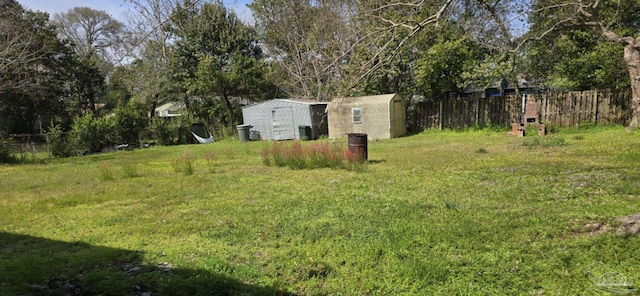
(560, 109)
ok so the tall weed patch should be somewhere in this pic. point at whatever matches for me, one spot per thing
(311, 156)
(184, 164)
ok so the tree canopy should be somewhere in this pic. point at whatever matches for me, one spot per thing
(199, 52)
(36, 69)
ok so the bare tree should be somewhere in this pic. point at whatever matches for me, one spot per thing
(20, 45)
(154, 28)
(148, 20)
(309, 41)
(92, 32)
(493, 25)
(33, 67)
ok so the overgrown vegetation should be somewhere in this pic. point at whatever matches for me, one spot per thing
(310, 156)
(430, 215)
(5, 154)
(184, 164)
(58, 142)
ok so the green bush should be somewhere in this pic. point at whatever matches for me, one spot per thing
(173, 132)
(165, 132)
(129, 123)
(58, 142)
(90, 133)
(5, 154)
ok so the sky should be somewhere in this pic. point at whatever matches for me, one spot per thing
(116, 8)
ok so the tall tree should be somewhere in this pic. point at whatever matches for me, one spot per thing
(576, 60)
(98, 39)
(35, 71)
(309, 42)
(219, 57)
(616, 21)
(155, 26)
(92, 32)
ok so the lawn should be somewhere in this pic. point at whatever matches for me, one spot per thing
(438, 213)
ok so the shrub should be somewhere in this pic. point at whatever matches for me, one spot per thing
(5, 154)
(90, 133)
(128, 123)
(173, 132)
(58, 142)
(165, 132)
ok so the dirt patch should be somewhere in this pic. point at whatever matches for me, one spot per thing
(595, 228)
(629, 225)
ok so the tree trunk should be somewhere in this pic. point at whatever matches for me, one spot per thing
(229, 106)
(632, 58)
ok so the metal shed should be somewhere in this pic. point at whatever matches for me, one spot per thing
(380, 117)
(284, 119)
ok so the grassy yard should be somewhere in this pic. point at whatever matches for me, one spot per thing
(438, 213)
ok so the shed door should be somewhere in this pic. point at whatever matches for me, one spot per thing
(282, 118)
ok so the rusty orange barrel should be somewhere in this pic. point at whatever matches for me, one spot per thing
(358, 145)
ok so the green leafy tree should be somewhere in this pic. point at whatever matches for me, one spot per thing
(577, 60)
(219, 58)
(615, 22)
(98, 39)
(443, 67)
(35, 69)
(118, 89)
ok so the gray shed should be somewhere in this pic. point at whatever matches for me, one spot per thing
(380, 117)
(281, 119)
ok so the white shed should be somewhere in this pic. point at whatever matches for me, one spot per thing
(380, 117)
(284, 119)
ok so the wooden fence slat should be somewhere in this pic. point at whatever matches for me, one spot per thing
(559, 109)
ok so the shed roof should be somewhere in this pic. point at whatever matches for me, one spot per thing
(297, 101)
(385, 97)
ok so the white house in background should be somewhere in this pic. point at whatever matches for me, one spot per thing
(169, 110)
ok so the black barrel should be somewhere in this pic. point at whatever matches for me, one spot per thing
(358, 145)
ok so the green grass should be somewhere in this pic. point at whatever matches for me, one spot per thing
(438, 213)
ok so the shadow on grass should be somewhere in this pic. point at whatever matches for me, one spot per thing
(38, 266)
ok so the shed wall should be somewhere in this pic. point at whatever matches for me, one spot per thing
(375, 117)
(279, 119)
(398, 118)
